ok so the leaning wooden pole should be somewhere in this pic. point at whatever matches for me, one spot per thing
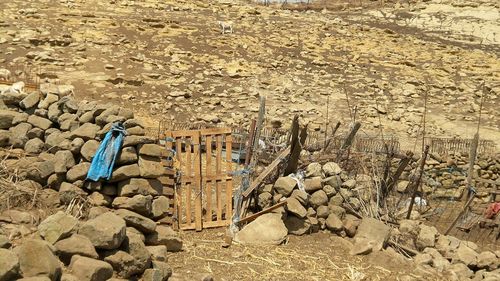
(417, 182)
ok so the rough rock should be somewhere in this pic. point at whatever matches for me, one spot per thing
(373, 230)
(488, 260)
(313, 170)
(158, 253)
(301, 196)
(123, 263)
(331, 169)
(106, 231)
(296, 225)
(36, 258)
(465, 255)
(89, 149)
(285, 185)
(426, 237)
(362, 247)
(63, 161)
(136, 220)
(334, 223)
(39, 122)
(57, 227)
(318, 198)
(150, 150)
(9, 265)
(458, 271)
(87, 131)
(293, 206)
(75, 245)
(150, 167)
(138, 203)
(266, 229)
(160, 207)
(87, 269)
(125, 172)
(164, 235)
(78, 172)
(312, 184)
(135, 186)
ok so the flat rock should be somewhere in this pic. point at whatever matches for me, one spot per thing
(293, 206)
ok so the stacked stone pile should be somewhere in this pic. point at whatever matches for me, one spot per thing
(321, 202)
(438, 253)
(448, 175)
(122, 237)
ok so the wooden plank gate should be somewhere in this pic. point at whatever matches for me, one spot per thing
(203, 183)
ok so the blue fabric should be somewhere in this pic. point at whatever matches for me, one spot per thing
(107, 153)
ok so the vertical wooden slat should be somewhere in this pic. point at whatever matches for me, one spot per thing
(218, 164)
(208, 189)
(229, 181)
(178, 148)
(168, 145)
(189, 163)
(197, 182)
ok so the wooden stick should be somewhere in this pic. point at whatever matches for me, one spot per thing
(260, 124)
(258, 214)
(258, 181)
(417, 183)
(409, 251)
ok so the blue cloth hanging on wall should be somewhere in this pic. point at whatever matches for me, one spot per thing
(107, 153)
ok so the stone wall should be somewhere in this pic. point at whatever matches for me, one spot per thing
(123, 236)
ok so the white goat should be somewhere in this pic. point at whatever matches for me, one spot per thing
(5, 74)
(17, 87)
(226, 25)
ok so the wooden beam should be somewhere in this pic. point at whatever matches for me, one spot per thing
(258, 214)
(258, 181)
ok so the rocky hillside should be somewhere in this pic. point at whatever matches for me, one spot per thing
(169, 60)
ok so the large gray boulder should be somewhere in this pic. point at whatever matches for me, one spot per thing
(36, 258)
(9, 265)
(106, 231)
(267, 229)
(87, 269)
(57, 227)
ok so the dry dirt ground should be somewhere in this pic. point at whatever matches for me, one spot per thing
(319, 256)
(168, 60)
